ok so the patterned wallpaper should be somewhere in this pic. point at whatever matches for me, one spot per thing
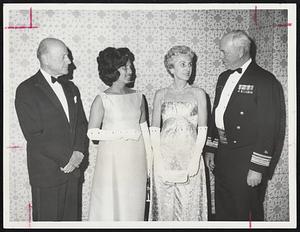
(148, 34)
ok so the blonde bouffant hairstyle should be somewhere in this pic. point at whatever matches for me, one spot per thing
(176, 51)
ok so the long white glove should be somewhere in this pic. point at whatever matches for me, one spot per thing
(155, 138)
(155, 143)
(97, 134)
(147, 142)
(197, 151)
(94, 134)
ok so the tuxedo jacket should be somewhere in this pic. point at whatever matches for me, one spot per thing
(255, 115)
(51, 138)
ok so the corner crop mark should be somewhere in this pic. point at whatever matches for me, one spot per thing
(24, 27)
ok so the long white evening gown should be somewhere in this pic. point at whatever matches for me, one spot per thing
(119, 183)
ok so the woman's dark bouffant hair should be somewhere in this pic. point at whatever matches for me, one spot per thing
(126, 52)
(110, 60)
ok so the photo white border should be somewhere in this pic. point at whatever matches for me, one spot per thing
(292, 116)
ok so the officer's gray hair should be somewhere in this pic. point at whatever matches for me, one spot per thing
(241, 39)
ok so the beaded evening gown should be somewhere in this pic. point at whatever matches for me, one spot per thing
(185, 200)
(119, 183)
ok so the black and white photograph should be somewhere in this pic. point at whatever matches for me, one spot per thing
(149, 115)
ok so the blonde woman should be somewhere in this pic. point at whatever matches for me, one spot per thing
(178, 133)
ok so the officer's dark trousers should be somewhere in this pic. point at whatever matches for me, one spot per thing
(235, 200)
(59, 203)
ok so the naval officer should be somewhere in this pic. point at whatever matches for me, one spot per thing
(246, 132)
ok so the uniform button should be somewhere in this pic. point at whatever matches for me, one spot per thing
(242, 113)
(234, 141)
(238, 127)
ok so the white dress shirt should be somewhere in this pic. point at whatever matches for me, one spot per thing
(58, 90)
(231, 82)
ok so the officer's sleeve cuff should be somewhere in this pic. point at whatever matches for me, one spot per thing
(211, 145)
(259, 162)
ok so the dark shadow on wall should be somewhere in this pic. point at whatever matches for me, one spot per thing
(194, 65)
(147, 203)
(71, 68)
(146, 110)
(207, 173)
(253, 49)
(133, 76)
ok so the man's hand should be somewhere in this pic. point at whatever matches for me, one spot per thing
(74, 162)
(253, 178)
(76, 158)
(209, 160)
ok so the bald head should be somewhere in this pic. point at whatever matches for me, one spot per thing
(53, 56)
(47, 45)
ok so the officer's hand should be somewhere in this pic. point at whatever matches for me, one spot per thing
(253, 178)
(68, 168)
(209, 160)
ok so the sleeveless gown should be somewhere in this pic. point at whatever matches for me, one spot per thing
(185, 201)
(119, 183)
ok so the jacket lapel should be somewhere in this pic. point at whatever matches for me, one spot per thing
(219, 89)
(70, 96)
(42, 83)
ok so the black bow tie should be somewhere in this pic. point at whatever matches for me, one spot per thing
(53, 80)
(239, 70)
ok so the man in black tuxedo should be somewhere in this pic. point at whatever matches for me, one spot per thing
(246, 132)
(53, 122)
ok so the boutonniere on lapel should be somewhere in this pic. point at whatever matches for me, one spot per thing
(75, 99)
(248, 89)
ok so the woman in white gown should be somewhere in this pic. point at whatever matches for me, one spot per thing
(118, 120)
(178, 181)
